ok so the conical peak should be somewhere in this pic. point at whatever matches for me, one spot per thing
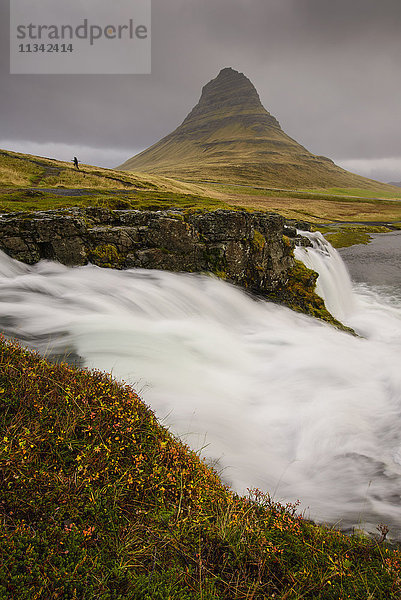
(230, 95)
(230, 88)
(231, 76)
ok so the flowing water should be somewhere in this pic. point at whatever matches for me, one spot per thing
(378, 263)
(274, 399)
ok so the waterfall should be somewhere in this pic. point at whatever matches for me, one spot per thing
(274, 399)
(334, 283)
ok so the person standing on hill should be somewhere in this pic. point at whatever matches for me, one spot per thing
(75, 161)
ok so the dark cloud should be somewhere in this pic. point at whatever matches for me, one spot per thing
(350, 18)
(329, 71)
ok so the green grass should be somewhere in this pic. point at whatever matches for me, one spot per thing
(344, 239)
(315, 206)
(345, 235)
(100, 502)
(350, 194)
(21, 200)
(298, 206)
(19, 173)
(363, 193)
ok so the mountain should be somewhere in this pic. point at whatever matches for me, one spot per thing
(230, 137)
(396, 183)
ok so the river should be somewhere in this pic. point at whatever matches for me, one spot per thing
(377, 263)
(274, 399)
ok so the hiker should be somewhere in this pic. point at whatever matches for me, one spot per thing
(75, 161)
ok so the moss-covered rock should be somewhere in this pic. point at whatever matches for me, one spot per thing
(258, 240)
(106, 255)
(299, 294)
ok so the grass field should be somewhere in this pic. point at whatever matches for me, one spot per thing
(316, 206)
(31, 183)
(13, 200)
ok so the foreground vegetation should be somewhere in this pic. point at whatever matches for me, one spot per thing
(100, 502)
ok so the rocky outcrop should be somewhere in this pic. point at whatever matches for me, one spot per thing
(248, 249)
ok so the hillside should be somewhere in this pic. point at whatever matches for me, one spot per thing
(99, 502)
(26, 170)
(230, 137)
(32, 183)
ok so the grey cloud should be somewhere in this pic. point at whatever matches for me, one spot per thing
(329, 71)
(383, 169)
(345, 17)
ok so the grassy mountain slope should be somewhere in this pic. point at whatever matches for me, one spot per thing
(100, 502)
(230, 137)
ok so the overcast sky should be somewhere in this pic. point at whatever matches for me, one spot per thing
(328, 70)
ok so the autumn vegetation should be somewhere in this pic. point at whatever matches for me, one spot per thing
(99, 501)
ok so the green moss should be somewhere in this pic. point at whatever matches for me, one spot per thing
(299, 294)
(177, 216)
(13, 200)
(347, 234)
(106, 255)
(113, 203)
(344, 239)
(258, 240)
(221, 274)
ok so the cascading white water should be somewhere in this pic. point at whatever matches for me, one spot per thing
(334, 283)
(276, 399)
